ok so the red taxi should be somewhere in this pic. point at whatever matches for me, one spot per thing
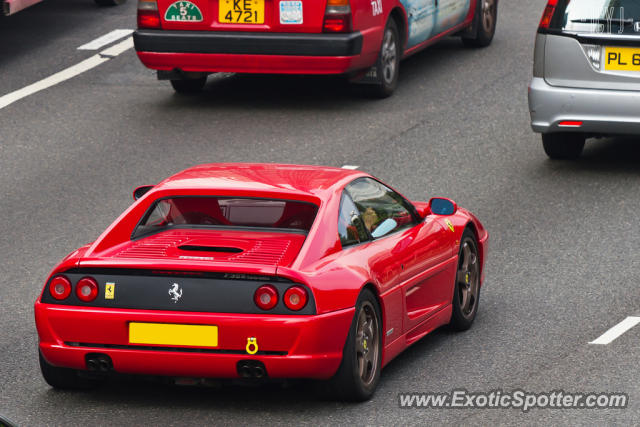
(186, 40)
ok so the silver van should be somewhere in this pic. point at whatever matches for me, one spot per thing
(586, 73)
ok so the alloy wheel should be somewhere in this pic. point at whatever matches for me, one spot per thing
(367, 343)
(468, 278)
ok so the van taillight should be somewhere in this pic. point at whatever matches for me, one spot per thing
(548, 14)
(148, 16)
(337, 17)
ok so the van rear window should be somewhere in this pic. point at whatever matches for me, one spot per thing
(597, 16)
(226, 212)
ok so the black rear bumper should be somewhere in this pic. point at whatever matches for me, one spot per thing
(245, 43)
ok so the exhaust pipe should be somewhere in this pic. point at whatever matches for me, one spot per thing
(251, 369)
(98, 362)
(92, 365)
(105, 365)
(258, 372)
(244, 370)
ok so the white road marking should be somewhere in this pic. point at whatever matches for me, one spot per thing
(67, 73)
(106, 39)
(352, 167)
(117, 49)
(616, 331)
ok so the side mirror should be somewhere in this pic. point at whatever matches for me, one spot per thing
(442, 206)
(422, 208)
(141, 191)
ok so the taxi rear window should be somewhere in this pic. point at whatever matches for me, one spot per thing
(226, 212)
(597, 16)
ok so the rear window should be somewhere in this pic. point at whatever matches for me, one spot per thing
(226, 212)
(597, 16)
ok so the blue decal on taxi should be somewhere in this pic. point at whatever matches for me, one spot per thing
(428, 18)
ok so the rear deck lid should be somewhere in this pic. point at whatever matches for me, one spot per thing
(213, 250)
(218, 232)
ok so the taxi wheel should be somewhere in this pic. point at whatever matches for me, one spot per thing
(65, 378)
(388, 63)
(359, 371)
(189, 85)
(563, 146)
(487, 19)
(466, 294)
(109, 2)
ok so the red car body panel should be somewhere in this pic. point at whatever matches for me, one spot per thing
(364, 22)
(259, 64)
(411, 271)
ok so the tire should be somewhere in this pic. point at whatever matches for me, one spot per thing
(388, 63)
(563, 146)
(466, 294)
(349, 383)
(486, 19)
(189, 86)
(65, 378)
(109, 2)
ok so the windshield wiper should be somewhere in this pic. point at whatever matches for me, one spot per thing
(628, 21)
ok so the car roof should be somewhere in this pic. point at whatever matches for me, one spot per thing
(306, 180)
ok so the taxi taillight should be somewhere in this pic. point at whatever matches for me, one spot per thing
(148, 15)
(337, 17)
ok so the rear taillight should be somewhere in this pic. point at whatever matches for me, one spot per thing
(148, 16)
(337, 17)
(87, 289)
(295, 298)
(548, 14)
(60, 287)
(266, 297)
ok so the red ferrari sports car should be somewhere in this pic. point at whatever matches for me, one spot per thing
(261, 271)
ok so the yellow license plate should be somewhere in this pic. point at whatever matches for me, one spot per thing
(170, 334)
(241, 11)
(622, 59)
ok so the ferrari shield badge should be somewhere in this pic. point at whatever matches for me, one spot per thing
(183, 11)
(450, 225)
(110, 290)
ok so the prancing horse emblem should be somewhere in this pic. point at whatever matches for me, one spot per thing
(175, 292)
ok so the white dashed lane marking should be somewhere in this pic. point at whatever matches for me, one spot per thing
(67, 73)
(352, 167)
(616, 331)
(106, 39)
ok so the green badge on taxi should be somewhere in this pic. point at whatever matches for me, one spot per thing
(183, 11)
